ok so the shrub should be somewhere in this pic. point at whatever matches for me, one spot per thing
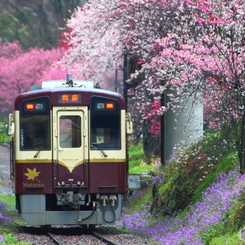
(190, 172)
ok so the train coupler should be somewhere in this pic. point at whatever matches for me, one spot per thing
(71, 198)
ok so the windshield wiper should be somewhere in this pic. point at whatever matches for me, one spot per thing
(35, 156)
(95, 146)
(104, 154)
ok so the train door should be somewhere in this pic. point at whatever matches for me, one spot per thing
(70, 141)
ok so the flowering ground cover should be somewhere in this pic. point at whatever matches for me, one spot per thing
(198, 221)
(4, 219)
(8, 218)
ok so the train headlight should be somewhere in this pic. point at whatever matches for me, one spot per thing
(39, 106)
(105, 106)
(62, 182)
(78, 183)
(33, 106)
(100, 106)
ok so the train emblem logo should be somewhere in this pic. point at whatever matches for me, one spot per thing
(32, 174)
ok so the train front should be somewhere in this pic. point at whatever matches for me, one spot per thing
(69, 156)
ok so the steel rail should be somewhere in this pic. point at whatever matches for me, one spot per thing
(55, 240)
(104, 239)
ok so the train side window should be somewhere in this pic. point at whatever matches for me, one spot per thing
(70, 131)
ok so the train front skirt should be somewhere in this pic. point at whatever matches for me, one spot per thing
(34, 212)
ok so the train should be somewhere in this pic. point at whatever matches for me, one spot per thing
(69, 154)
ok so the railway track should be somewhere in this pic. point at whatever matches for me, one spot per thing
(104, 239)
(98, 236)
(54, 239)
(65, 236)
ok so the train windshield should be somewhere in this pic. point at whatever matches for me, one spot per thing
(105, 124)
(35, 124)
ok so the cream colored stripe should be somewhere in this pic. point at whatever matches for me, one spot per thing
(61, 163)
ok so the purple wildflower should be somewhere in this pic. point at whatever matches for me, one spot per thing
(2, 239)
(3, 219)
(201, 217)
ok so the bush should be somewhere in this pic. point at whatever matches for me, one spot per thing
(190, 173)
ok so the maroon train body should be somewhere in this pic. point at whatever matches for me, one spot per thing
(69, 159)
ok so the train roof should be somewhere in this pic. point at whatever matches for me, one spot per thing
(52, 89)
(62, 84)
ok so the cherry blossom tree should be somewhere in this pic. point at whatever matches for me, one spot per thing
(20, 69)
(102, 31)
(213, 64)
(184, 47)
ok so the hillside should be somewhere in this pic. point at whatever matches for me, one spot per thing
(196, 198)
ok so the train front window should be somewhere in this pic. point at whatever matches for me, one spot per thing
(34, 132)
(70, 131)
(105, 124)
(35, 124)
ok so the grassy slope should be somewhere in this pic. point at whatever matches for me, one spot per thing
(185, 181)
